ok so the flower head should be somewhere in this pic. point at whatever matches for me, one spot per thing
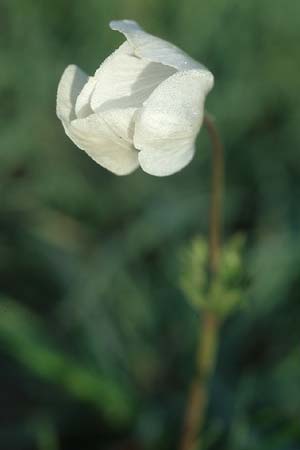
(144, 106)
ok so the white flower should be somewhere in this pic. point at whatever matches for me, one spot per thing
(144, 105)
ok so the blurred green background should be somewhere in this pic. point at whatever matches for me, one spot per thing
(96, 338)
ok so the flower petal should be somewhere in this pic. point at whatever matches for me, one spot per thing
(121, 121)
(83, 102)
(167, 125)
(154, 49)
(91, 134)
(123, 80)
(123, 83)
(71, 83)
(96, 138)
(168, 159)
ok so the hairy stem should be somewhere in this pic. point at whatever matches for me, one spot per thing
(209, 320)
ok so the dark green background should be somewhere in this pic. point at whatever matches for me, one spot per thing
(96, 339)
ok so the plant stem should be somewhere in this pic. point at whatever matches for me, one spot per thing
(217, 185)
(209, 320)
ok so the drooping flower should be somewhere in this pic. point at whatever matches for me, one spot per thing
(144, 106)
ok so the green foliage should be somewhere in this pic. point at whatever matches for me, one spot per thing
(194, 275)
(23, 335)
(96, 336)
(227, 291)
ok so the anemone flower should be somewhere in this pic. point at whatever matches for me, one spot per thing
(144, 106)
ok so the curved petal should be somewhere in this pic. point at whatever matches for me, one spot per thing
(91, 134)
(96, 138)
(167, 125)
(167, 160)
(124, 80)
(121, 121)
(154, 49)
(71, 83)
(83, 102)
(123, 83)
